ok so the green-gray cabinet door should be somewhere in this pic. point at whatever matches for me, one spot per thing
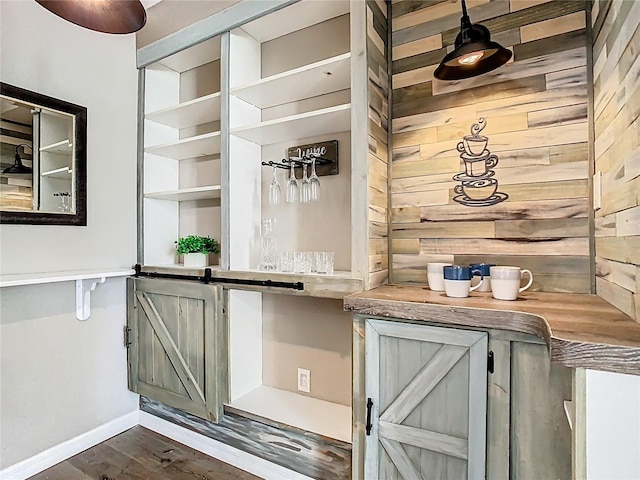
(428, 387)
(177, 353)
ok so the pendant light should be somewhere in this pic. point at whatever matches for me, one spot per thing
(17, 168)
(474, 52)
(107, 16)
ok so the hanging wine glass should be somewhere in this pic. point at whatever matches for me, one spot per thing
(314, 183)
(274, 189)
(305, 192)
(292, 186)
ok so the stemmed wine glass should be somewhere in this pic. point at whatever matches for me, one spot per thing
(314, 183)
(292, 186)
(305, 193)
(274, 189)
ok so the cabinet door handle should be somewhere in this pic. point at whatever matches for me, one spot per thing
(369, 407)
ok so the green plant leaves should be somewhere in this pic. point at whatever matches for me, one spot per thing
(197, 244)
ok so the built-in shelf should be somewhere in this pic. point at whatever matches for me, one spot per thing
(86, 282)
(338, 285)
(188, 114)
(192, 147)
(311, 124)
(62, 147)
(307, 413)
(62, 173)
(187, 194)
(318, 78)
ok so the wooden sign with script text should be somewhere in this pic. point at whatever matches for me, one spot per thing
(326, 150)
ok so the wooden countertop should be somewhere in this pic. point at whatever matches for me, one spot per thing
(582, 331)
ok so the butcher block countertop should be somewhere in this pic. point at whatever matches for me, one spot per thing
(582, 331)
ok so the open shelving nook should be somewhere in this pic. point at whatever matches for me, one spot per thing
(182, 146)
(290, 85)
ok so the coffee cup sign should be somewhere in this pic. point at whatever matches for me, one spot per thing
(477, 186)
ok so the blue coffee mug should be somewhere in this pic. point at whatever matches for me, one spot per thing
(459, 272)
(482, 267)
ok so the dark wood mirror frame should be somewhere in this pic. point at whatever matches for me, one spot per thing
(80, 165)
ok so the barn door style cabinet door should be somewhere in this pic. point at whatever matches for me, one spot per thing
(176, 344)
(426, 394)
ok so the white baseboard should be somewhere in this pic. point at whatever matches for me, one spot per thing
(221, 451)
(68, 449)
(218, 450)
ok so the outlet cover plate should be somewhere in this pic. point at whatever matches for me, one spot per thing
(304, 380)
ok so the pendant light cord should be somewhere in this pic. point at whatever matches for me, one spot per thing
(464, 9)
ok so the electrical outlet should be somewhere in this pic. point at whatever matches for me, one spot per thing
(304, 380)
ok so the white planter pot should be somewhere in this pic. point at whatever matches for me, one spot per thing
(195, 260)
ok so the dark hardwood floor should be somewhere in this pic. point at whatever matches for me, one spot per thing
(140, 454)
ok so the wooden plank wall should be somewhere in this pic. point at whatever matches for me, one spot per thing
(378, 157)
(536, 112)
(616, 73)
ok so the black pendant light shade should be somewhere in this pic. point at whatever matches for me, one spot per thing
(18, 168)
(107, 16)
(474, 52)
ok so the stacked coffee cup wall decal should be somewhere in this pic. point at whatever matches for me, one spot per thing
(478, 187)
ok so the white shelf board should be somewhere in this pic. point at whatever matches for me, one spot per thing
(326, 76)
(195, 56)
(318, 122)
(188, 114)
(307, 413)
(192, 147)
(63, 146)
(18, 279)
(186, 194)
(295, 17)
(63, 173)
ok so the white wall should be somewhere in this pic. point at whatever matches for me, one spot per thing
(61, 377)
(613, 426)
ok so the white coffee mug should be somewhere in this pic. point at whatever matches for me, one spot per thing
(435, 276)
(459, 288)
(505, 282)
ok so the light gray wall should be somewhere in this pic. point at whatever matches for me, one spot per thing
(61, 377)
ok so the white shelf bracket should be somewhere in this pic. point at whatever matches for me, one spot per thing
(83, 296)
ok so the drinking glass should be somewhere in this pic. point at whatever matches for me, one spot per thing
(305, 191)
(324, 262)
(302, 262)
(292, 186)
(274, 190)
(287, 262)
(314, 183)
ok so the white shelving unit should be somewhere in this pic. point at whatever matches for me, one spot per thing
(318, 122)
(288, 89)
(62, 173)
(182, 184)
(187, 194)
(62, 147)
(192, 147)
(319, 78)
(54, 160)
(189, 114)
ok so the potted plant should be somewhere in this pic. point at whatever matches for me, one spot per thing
(195, 250)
